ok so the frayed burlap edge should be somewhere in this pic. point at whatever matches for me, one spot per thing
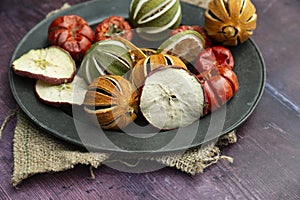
(194, 161)
(38, 152)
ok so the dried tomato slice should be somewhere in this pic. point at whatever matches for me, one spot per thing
(72, 33)
(199, 29)
(113, 26)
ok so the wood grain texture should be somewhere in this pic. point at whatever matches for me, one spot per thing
(267, 155)
(277, 35)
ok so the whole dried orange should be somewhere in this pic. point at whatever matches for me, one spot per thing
(112, 101)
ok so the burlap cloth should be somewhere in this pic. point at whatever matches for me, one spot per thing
(38, 152)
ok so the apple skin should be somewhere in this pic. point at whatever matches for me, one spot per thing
(61, 95)
(48, 79)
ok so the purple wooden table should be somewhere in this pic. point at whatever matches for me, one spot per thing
(267, 155)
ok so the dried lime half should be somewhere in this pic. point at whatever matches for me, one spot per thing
(186, 45)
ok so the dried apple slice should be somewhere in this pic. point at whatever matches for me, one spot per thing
(65, 94)
(171, 97)
(52, 65)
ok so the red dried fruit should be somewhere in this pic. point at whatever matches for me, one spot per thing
(113, 26)
(72, 33)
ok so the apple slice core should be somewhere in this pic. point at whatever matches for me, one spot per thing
(171, 98)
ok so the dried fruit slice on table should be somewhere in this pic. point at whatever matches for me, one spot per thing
(64, 94)
(112, 102)
(186, 45)
(52, 65)
(106, 57)
(171, 97)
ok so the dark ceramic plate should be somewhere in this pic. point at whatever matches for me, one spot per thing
(249, 67)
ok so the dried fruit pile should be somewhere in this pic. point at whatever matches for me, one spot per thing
(184, 79)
